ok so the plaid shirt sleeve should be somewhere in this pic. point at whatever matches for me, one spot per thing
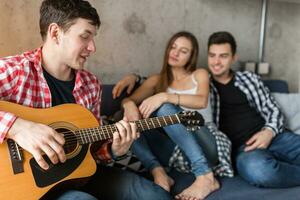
(261, 98)
(6, 121)
(9, 76)
(269, 108)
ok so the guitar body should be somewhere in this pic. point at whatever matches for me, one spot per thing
(34, 182)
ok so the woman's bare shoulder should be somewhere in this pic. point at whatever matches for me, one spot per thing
(200, 72)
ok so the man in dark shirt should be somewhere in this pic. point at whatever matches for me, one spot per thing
(264, 152)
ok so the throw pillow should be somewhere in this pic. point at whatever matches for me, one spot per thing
(290, 106)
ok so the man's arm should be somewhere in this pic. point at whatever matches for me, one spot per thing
(128, 81)
(269, 109)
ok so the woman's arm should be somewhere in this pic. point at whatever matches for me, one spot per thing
(145, 90)
(200, 99)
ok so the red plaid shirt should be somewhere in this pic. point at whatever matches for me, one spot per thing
(22, 81)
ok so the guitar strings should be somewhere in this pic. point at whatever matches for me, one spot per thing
(73, 138)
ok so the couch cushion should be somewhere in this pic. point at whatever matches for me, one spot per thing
(290, 106)
(277, 86)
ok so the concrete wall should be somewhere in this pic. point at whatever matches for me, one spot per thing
(283, 42)
(134, 33)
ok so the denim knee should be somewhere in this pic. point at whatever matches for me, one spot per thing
(74, 194)
(167, 109)
(257, 167)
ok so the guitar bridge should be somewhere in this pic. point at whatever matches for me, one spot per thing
(16, 156)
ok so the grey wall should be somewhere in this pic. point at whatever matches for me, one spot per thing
(283, 42)
(134, 33)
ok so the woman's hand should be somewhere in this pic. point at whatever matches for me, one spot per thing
(131, 111)
(149, 105)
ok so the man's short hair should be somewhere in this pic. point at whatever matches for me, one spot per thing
(222, 37)
(64, 13)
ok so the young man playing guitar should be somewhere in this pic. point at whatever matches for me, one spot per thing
(53, 74)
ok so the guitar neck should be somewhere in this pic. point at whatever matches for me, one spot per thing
(90, 135)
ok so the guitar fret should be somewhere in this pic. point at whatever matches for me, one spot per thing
(88, 134)
(106, 132)
(82, 136)
(93, 135)
(176, 118)
(170, 119)
(139, 125)
(156, 118)
(147, 124)
(164, 121)
(98, 136)
(152, 125)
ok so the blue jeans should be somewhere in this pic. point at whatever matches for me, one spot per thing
(75, 194)
(180, 136)
(117, 184)
(277, 166)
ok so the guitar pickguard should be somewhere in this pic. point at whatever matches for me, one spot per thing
(57, 172)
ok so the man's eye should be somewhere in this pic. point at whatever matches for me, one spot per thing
(84, 36)
(224, 56)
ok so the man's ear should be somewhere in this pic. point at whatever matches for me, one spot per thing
(235, 57)
(54, 32)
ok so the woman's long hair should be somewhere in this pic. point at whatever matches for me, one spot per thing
(166, 76)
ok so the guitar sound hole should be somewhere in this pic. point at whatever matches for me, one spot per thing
(71, 143)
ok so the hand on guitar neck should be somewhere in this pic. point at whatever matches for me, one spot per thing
(122, 140)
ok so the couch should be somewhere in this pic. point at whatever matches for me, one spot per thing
(231, 188)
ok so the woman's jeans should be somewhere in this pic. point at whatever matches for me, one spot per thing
(277, 166)
(117, 184)
(187, 142)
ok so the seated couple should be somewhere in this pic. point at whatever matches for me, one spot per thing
(237, 108)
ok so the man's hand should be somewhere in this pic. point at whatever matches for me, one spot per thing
(38, 139)
(150, 104)
(128, 81)
(261, 140)
(122, 140)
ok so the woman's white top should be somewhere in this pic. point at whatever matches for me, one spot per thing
(205, 112)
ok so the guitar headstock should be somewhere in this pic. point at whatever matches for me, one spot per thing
(193, 120)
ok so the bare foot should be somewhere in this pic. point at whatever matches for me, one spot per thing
(201, 188)
(162, 179)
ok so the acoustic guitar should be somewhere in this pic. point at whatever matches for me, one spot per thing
(20, 175)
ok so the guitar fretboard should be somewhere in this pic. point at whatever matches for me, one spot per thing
(90, 135)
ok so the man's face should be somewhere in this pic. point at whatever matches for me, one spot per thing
(220, 59)
(77, 43)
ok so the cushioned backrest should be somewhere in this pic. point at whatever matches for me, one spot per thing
(109, 105)
(277, 86)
